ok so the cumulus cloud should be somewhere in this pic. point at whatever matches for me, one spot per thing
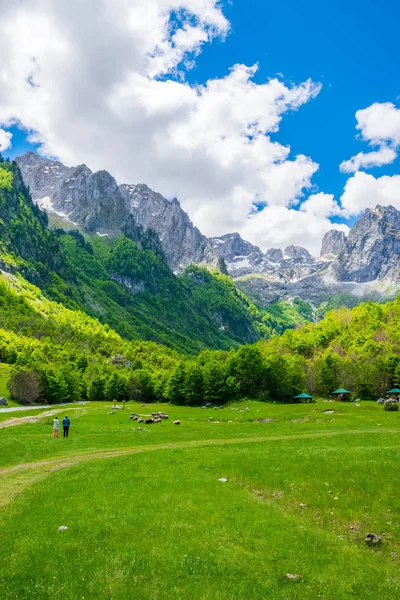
(108, 89)
(362, 160)
(363, 191)
(321, 205)
(5, 139)
(379, 125)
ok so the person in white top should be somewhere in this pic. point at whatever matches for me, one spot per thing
(55, 427)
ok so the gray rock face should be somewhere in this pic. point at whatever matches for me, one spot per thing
(296, 252)
(95, 202)
(240, 256)
(3, 402)
(183, 244)
(333, 243)
(372, 249)
(91, 200)
(275, 255)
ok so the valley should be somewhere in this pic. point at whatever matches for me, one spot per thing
(238, 494)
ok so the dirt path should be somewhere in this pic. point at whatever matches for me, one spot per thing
(31, 419)
(34, 419)
(68, 461)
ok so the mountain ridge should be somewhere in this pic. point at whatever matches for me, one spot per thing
(347, 264)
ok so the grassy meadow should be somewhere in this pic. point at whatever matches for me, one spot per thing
(149, 519)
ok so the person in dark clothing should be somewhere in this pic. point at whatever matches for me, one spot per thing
(66, 424)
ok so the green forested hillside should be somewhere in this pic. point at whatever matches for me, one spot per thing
(124, 281)
(358, 349)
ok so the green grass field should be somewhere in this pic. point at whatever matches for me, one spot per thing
(148, 518)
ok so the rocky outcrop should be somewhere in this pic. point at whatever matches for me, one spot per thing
(333, 243)
(96, 203)
(372, 249)
(182, 243)
(241, 257)
(296, 252)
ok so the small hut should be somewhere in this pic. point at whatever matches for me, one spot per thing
(342, 395)
(394, 392)
(302, 397)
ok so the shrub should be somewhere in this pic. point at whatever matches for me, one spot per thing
(391, 406)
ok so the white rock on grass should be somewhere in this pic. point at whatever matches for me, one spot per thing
(63, 528)
(223, 479)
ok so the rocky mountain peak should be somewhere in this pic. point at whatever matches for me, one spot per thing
(372, 249)
(296, 252)
(275, 255)
(332, 243)
(95, 202)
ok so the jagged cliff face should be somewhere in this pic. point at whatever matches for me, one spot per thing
(372, 250)
(360, 264)
(95, 202)
(183, 244)
(243, 259)
(333, 243)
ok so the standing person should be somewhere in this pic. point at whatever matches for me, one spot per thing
(55, 427)
(66, 424)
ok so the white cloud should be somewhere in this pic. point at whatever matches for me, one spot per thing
(107, 88)
(5, 140)
(379, 125)
(365, 191)
(279, 226)
(321, 205)
(383, 156)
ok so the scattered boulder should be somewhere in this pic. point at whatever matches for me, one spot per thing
(292, 576)
(3, 402)
(223, 479)
(177, 422)
(372, 539)
(63, 528)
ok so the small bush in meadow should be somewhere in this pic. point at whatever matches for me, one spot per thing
(391, 406)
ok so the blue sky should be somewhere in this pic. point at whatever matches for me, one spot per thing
(351, 48)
